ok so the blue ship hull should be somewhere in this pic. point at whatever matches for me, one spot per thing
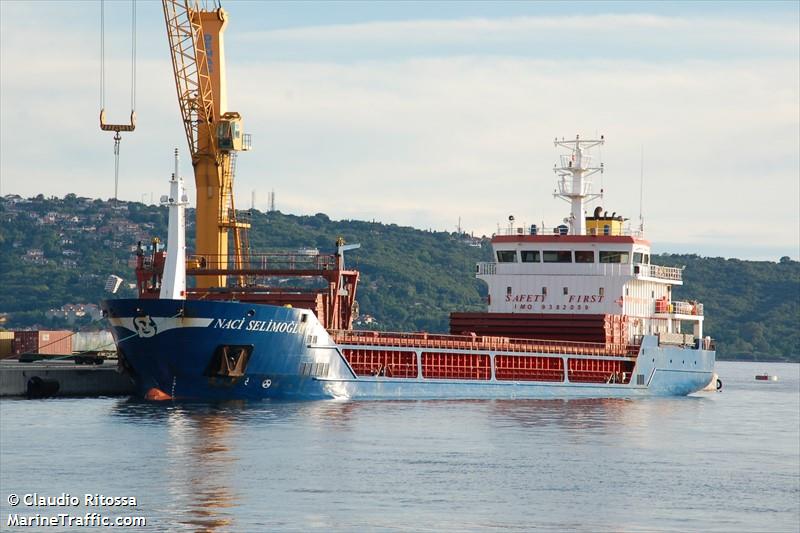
(174, 346)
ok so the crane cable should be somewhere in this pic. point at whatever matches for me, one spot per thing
(117, 128)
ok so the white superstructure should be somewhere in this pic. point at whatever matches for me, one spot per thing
(593, 265)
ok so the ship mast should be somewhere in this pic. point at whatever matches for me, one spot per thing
(173, 282)
(575, 187)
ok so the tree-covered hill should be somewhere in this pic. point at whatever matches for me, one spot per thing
(59, 251)
(751, 307)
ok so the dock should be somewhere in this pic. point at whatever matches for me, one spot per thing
(62, 379)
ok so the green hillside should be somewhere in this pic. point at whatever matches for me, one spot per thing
(751, 307)
(60, 251)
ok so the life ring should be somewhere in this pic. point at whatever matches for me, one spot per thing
(719, 384)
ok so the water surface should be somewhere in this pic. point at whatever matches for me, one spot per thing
(726, 461)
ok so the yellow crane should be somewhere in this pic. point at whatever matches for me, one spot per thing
(214, 134)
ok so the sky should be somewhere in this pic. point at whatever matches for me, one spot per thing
(424, 113)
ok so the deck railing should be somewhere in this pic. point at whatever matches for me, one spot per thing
(266, 261)
(486, 269)
(658, 272)
(562, 230)
(483, 343)
(679, 308)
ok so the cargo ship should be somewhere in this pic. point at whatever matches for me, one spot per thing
(575, 310)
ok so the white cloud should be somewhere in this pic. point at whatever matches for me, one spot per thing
(422, 139)
(567, 28)
(465, 136)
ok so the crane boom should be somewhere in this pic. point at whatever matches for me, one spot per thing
(214, 135)
(192, 77)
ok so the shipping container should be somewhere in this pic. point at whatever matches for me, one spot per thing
(6, 343)
(42, 342)
(93, 341)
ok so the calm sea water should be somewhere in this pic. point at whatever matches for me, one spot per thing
(726, 461)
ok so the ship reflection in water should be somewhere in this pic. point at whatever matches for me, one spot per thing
(199, 461)
(203, 457)
(202, 464)
(573, 414)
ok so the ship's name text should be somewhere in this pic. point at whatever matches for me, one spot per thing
(257, 325)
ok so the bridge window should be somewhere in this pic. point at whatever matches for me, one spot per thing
(584, 256)
(566, 290)
(602, 291)
(637, 257)
(557, 256)
(530, 256)
(614, 257)
(544, 291)
(507, 256)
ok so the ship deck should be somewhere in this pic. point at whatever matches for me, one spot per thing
(484, 358)
(481, 343)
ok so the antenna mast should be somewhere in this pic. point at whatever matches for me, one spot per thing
(574, 186)
(641, 192)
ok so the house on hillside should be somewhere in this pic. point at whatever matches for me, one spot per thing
(35, 256)
(73, 312)
(365, 320)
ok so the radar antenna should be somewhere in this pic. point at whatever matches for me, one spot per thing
(641, 193)
(574, 186)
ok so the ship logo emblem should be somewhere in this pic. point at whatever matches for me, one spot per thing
(145, 326)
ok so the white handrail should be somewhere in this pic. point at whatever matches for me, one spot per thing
(484, 268)
(658, 271)
(627, 231)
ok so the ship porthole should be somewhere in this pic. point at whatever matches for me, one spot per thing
(266, 383)
(251, 312)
